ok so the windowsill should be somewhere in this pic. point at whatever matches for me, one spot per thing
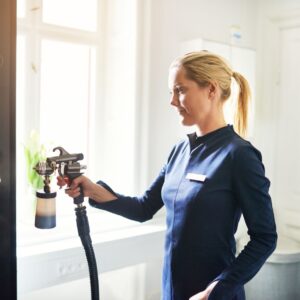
(46, 264)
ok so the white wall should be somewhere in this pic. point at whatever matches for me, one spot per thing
(174, 21)
(138, 282)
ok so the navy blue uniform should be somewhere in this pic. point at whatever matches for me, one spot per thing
(205, 185)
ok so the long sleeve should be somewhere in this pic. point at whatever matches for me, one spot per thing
(140, 208)
(135, 208)
(251, 189)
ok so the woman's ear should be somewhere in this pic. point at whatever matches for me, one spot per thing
(212, 90)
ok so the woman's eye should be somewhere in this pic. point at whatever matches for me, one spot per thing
(176, 91)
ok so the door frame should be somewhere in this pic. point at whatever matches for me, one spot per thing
(8, 281)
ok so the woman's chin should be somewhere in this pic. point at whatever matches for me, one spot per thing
(186, 122)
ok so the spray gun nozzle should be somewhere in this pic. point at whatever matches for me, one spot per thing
(44, 169)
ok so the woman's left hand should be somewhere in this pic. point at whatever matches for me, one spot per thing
(200, 296)
(204, 294)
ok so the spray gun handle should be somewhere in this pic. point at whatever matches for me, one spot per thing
(77, 200)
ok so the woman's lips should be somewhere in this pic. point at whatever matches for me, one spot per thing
(181, 111)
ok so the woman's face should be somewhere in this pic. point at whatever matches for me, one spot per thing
(192, 102)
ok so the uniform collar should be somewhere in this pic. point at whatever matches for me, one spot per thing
(203, 139)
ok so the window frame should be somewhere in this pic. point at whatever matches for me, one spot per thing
(32, 27)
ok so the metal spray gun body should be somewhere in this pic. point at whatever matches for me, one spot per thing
(69, 168)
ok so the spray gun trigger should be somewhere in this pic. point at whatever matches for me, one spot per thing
(67, 181)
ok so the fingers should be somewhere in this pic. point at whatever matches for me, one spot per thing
(60, 181)
(73, 192)
(77, 181)
(200, 296)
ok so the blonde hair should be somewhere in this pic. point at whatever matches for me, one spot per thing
(204, 68)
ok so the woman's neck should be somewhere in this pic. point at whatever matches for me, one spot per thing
(207, 127)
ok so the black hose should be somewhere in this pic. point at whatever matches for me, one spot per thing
(84, 233)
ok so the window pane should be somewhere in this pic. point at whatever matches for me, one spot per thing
(21, 8)
(120, 94)
(65, 74)
(79, 14)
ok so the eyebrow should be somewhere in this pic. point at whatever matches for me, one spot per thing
(180, 86)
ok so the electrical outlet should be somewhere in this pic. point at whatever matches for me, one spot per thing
(71, 267)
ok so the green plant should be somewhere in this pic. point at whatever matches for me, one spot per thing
(34, 152)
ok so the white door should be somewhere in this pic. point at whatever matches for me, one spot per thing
(287, 157)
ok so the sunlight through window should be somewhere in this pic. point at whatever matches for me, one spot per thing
(69, 13)
(65, 94)
(21, 8)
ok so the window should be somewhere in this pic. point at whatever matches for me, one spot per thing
(76, 83)
(80, 14)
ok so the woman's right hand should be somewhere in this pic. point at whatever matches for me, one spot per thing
(90, 189)
(73, 190)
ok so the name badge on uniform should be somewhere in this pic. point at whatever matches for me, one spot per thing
(196, 177)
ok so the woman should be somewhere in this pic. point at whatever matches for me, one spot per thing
(209, 179)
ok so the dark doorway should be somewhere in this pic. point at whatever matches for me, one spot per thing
(8, 286)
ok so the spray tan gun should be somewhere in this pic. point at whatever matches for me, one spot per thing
(69, 168)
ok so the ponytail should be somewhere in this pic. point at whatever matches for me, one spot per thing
(242, 108)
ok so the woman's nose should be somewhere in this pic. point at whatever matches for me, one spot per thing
(174, 100)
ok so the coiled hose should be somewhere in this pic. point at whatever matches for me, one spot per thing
(84, 233)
